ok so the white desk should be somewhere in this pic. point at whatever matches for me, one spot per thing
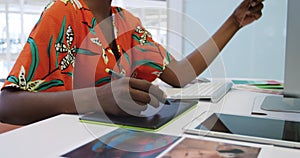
(58, 135)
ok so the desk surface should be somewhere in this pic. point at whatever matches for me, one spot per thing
(58, 135)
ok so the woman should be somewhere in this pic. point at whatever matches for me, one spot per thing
(72, 50)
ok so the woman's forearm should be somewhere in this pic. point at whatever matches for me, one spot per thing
(22, 107)
(180, 73)
(204, 55)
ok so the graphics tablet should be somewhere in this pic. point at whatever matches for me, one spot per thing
(149, 121)
(246, 128)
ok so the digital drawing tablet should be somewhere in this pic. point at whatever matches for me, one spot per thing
(148, 122)
(246, 128)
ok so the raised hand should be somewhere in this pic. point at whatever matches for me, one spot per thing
(247, 12)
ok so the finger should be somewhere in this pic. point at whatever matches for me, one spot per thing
(149, 88)
(256, 13)
(140, 96)
(242, 11)
(256, 8)
(144, 98)
(158, 93)
(255, 2)
(250, 19)
(139, 84)
(154, 101)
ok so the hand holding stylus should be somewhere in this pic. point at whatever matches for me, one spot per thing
(130, 95)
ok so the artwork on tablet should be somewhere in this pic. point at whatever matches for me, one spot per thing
(122, 143)
(197, 148)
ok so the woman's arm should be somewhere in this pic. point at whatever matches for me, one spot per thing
(22, 107)
(126, 96)
(7, 127)
(179, 73)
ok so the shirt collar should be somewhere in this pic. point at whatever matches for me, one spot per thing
(88, 17)
(83, 5)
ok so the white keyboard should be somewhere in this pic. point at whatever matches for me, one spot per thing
(212, 91)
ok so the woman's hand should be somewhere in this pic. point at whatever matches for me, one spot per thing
(129, 96)
(247, 12)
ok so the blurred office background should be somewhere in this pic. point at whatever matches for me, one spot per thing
(257, 51)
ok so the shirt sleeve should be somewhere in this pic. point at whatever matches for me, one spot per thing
(45, 63)
(150, 57)
(147, 58)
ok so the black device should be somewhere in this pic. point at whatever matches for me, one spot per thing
(247, 128)
(155, 121)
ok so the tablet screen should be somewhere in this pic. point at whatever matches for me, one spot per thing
(252, 126)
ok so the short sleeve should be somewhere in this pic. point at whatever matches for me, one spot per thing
(150, 57)
(147, 59)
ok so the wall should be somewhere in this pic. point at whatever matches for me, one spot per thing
(256, 51)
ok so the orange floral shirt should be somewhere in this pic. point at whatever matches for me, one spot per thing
(67, 50)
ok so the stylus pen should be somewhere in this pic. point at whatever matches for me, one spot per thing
(233, 151)
(113, 73)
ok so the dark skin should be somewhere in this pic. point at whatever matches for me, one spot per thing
(133, 95)
(7, 127)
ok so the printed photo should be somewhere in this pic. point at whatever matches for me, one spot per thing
(123, 143)
(197, 148)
